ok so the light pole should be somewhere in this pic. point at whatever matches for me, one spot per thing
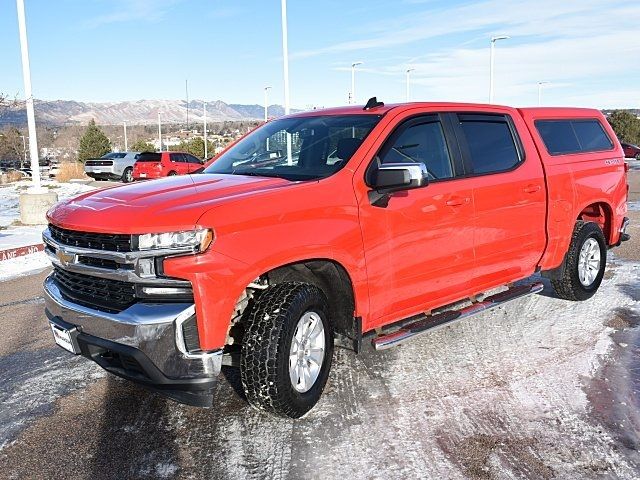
(540, 85)
(159, 133)
(126, 145)
(266, 103)
(285, 61)
(491, 62)
(31, 119)
(353, 81)
(204, 107)
(408, 72)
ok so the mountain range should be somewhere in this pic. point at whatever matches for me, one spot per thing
(140, 112)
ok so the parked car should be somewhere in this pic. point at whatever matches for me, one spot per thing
(112, 166)
(382, 223)
(54, 169)
(164, 164)
(631, 150)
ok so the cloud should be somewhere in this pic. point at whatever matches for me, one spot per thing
(133, 11)
(522, 17)
(587, 50)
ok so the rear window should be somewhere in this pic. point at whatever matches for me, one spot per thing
(562, 137)
(115, 155)
(149, 157)
(491, 144)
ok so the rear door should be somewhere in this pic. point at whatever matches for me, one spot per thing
(419, 246)
(508, 193)
(178, 163)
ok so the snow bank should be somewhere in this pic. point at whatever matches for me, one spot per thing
(10, 194)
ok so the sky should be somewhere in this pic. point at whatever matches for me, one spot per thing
(122, 50)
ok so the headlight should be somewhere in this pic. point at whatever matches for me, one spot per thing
(199, 240)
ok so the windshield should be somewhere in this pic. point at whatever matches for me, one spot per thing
(302, 148)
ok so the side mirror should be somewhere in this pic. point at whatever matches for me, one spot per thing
(394, 177)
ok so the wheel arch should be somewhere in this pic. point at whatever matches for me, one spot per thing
(601, 213)
(335, 282)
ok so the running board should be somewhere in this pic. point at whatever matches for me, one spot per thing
(429, 323)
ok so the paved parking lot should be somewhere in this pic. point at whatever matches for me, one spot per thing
(541, 388)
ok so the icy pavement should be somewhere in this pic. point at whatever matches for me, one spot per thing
(507, 394)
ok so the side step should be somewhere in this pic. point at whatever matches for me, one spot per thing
(429, 323)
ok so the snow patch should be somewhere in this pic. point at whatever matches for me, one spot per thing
(18, 266)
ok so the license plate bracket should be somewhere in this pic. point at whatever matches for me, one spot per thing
(66, 338)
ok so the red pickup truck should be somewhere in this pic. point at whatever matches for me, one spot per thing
(327, 227)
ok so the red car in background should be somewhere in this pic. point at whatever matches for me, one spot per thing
(164, 164)
(631, 150)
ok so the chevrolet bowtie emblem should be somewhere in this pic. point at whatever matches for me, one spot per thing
(64, 257)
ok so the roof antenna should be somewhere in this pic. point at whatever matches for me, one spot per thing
(373, 103)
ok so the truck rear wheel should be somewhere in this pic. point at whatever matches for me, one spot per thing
(585, 264)
(287, 349)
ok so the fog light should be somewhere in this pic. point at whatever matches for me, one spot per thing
(166, 291)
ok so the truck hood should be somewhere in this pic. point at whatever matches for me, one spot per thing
(169, 204)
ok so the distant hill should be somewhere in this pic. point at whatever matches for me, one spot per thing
(140, 112)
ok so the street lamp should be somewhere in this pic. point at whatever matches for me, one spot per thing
(540, 85)
(353, 81)
(31, 119)
(285, 61)
(159, 132)
(126, 145)
(204, 107)
(491, 62)
(266, 103)
(408, 72)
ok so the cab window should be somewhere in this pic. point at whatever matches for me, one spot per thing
(420, 141)
(490, 143)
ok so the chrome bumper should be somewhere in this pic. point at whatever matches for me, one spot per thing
(152, 328)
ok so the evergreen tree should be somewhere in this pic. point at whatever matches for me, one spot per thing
(626, 125)
(142, 146)
(94, 143)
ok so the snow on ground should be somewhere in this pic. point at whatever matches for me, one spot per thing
(20, 236)
(10, 194)
(25, 264)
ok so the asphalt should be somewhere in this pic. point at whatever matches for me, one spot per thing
(542, 388)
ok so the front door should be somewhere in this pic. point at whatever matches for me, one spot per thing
(419, 247)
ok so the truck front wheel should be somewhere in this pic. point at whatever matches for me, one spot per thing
(287, 349)
(585, 263)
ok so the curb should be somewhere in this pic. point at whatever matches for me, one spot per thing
(20, 251)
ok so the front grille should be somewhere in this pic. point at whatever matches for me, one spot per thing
(113, 242)
(103, 263)
(95, 292)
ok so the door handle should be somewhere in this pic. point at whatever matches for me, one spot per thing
(457, 201)
(532, 188)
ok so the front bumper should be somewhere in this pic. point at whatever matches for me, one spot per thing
(143, 343)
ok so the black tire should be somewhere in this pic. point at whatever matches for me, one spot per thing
(171, 174)
(637, 156)
(569, 286)
(127, 175)
(264, 362)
